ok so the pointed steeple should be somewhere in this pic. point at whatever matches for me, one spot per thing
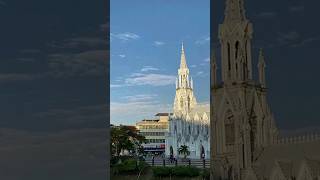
(234, 11)
(183, 62)
(185, 100)
(261, 67)
(261, 58)
(191, 82)
(213, 69)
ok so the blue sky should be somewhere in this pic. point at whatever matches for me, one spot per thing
(145, 50)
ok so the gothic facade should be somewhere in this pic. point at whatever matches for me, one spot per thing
(189, 124)
(244, 136)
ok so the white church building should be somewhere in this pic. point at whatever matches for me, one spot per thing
(189, 124)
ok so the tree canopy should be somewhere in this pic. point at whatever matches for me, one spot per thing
(125, 138)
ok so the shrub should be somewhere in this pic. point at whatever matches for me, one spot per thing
(161, 171)
(185, 171)
(125, 158)
(129, 166)
(205, 174)
(113, 161)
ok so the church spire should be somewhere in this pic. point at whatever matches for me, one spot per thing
(234, 11)
(213, 69)
(261, 58)
(183, 62)
(184, 100)
(235, 35)
(261, 68)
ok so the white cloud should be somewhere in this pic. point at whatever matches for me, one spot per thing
(136, 108)
(115, 85)
(140, 97)
(122, 55)
(296, 8)
(17, 77)
(151, 79)
(2, 3)
(199, 73)
(149, 68)
(158, 43)
(125, 36)
(136, 74)
(207, 59)
(193, 66)
(203, 40)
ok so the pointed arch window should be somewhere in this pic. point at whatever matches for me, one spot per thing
(229, 63)
(237, 49)
(229, 128)
(181, 102)
(253, 131)
(207, 130)
(198, 129)
(246, 49)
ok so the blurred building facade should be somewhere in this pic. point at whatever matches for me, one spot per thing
(245, 143)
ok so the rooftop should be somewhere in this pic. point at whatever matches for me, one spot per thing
(163, 114)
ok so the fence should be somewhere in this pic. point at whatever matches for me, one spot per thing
(200, 163)
(298, 139)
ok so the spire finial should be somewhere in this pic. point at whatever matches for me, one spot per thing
(261, 57)
(182, 48)
(183, 63)
(261, 51)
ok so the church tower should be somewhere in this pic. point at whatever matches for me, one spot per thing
(184, 100)
(242, 124)
(235, 36)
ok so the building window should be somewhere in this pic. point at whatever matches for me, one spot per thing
(229, 63)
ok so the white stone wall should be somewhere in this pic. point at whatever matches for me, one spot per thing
(194, 134)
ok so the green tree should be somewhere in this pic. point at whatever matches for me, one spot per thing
(184, 150)
(125, 138)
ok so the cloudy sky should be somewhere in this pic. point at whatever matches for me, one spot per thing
(145, 55)
(53, 89)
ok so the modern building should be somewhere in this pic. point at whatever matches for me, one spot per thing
(245, 143)
(190, 123)
(154, 131)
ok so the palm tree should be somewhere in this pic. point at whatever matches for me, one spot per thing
(184, 150)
